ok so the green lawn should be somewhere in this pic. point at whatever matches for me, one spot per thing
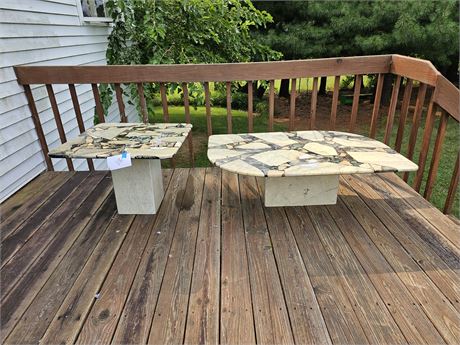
(219, 124)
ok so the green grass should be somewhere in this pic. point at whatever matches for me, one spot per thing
(219, 125)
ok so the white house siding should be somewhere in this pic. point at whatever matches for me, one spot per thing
(43, 32)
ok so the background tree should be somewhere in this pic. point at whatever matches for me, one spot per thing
(425, 29)
(183, 32)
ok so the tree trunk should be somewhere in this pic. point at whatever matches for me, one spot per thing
(284, 88)
(386, 89)
(322, 86)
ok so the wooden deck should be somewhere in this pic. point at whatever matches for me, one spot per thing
(215, 266)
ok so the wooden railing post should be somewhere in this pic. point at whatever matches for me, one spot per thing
(188, 120)
(355, 105)
(58, 120)
(81, 124)
(403, 115)
(250, 107)
(38, 126)
(392, 109)
(121, 105)
(335, 101)
(436, 156)
(376, 109)
(429, 122)
(271, 105)
(99, 107)
(452, 187)
(314, 101)
(415, 124)
(228, 86)
(207, 100)
(292, 104)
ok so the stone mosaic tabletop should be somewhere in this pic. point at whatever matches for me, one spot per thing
(160, 140)
(303, 153)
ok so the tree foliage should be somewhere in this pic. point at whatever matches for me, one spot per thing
(184, 32)
(425, 29)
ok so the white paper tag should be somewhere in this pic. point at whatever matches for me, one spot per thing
(119, 161)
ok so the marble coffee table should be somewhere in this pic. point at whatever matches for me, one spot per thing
(139, 187)
(303, 167)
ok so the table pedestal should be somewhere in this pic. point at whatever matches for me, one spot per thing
(301, 190)
(139, 188)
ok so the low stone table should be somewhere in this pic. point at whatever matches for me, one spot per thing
(303, 168)
(138, 188)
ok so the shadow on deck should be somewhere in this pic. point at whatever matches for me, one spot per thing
(215, 266)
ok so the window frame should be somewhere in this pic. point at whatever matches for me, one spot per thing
(91, 20)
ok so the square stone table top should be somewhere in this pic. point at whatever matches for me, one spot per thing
(303, 153)
(152, 140)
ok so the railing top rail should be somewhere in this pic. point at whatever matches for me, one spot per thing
(417, 69)
(203, 72)
(447, 96)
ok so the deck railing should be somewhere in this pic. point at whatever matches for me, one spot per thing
(444, 96)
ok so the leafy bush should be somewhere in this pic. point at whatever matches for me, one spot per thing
(184, 32)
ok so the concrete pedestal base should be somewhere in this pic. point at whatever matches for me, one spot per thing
(301, 190)
(139, 188)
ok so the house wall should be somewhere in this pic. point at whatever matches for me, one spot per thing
(44, 32)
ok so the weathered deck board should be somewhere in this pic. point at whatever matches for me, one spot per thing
(25, 255)
(136, 318)
(424, 297)
(216, 266)
(270, 312)
(103, 318)
(308, 326)
(203, 310)
(16, 238)
(236, 318)
(366, 299)
(32, 195)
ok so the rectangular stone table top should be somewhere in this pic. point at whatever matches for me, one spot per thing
(160, 140)
(303, 153)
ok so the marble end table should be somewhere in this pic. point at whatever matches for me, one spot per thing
(139, 187)
(303, 168)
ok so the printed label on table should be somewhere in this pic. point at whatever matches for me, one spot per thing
(119, 161)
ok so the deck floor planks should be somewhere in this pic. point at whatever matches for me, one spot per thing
(443, 274)
(76, 305)
(36, 318)
(307, 322)
(342, 321)
(104, 315)
(360, 289)
(443, 247)
(11, 272)
(15, 303)
(138, 312)
(236, 315)
(270, 313)
(425, 296)
(340, 259)
(203, 310)
(398, 189)
(168, 325)
(410, 317)
(28, 199)
(16, 239)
